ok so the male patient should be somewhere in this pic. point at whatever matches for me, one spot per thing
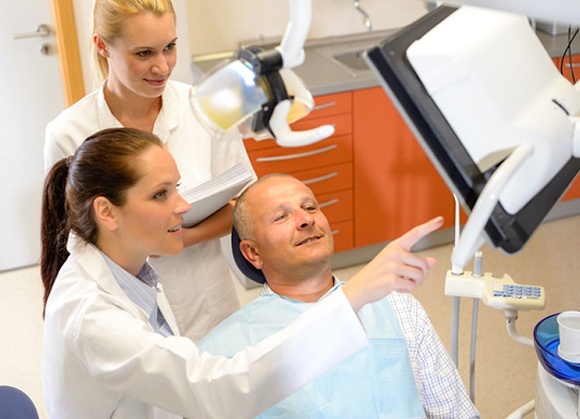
(287, 242)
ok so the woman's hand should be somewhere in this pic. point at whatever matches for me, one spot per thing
(216, 225)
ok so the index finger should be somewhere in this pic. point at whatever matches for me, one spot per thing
(411, 237)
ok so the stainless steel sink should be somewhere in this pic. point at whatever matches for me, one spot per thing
(352, 59)
(348, 52)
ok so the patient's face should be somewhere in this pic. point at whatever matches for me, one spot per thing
(290, 230)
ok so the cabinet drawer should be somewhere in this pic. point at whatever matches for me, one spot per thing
(343, 235)
(327, 179)
(337, 206)
(333, 150)
(332, 104)
(568, 67)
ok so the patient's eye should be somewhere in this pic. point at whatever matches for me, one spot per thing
(280, 216)
(310, 207)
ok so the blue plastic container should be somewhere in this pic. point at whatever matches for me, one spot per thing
(547, 339)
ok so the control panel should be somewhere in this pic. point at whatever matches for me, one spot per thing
(500, 293)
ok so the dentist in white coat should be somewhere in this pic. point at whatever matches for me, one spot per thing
(112, 349)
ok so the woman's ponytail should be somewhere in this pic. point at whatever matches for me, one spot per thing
(54, 229)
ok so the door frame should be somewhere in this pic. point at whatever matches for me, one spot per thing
(68, 48)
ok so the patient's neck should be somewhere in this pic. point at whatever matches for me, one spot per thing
(306, 290)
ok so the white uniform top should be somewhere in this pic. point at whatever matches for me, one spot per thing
(198, 282)
(102, 358)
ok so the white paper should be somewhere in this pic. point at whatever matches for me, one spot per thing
(208, 197)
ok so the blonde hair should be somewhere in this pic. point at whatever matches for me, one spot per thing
(108, 22)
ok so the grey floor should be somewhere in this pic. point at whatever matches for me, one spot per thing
(504, 369)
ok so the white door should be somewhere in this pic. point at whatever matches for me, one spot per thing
(31, 95)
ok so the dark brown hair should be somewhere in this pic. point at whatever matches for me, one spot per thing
(104, 165)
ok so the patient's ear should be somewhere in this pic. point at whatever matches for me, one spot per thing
(105, 213)
(251, 253)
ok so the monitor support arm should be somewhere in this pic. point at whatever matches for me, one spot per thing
(471, 239)
(287, 55)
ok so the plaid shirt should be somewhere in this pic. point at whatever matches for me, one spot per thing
(440, 386)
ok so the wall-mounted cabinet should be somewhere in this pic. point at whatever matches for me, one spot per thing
(571, 70)
(371, 177)
(395, 184)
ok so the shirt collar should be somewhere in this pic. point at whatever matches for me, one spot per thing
(167, 120)
(141, 289)
(266, 290)
(168, 117)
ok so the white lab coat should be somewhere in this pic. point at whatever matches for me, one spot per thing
(102, 358)
(198, 282)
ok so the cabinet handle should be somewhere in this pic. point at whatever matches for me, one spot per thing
(335, 232)
(328, 203)
(323, 106)
(320, 179)
(296, 156)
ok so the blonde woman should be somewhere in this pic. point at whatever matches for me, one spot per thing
(134, 45)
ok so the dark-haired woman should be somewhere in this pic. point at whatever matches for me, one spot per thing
(111, 345)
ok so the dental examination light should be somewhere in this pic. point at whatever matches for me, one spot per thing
(258, 93)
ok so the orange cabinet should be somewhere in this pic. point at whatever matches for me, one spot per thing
(372, 178)
(326, 166)
(333, 150)
(395, 184)
(571, 70)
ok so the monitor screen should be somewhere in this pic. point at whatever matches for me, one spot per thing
(444, 146)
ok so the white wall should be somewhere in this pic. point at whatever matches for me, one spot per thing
(218, 25)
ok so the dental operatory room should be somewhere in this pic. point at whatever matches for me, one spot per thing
(421, 260)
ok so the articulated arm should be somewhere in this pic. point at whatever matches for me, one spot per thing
(292, 53)
(258, 93)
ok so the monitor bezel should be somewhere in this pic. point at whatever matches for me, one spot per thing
(388, 61)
